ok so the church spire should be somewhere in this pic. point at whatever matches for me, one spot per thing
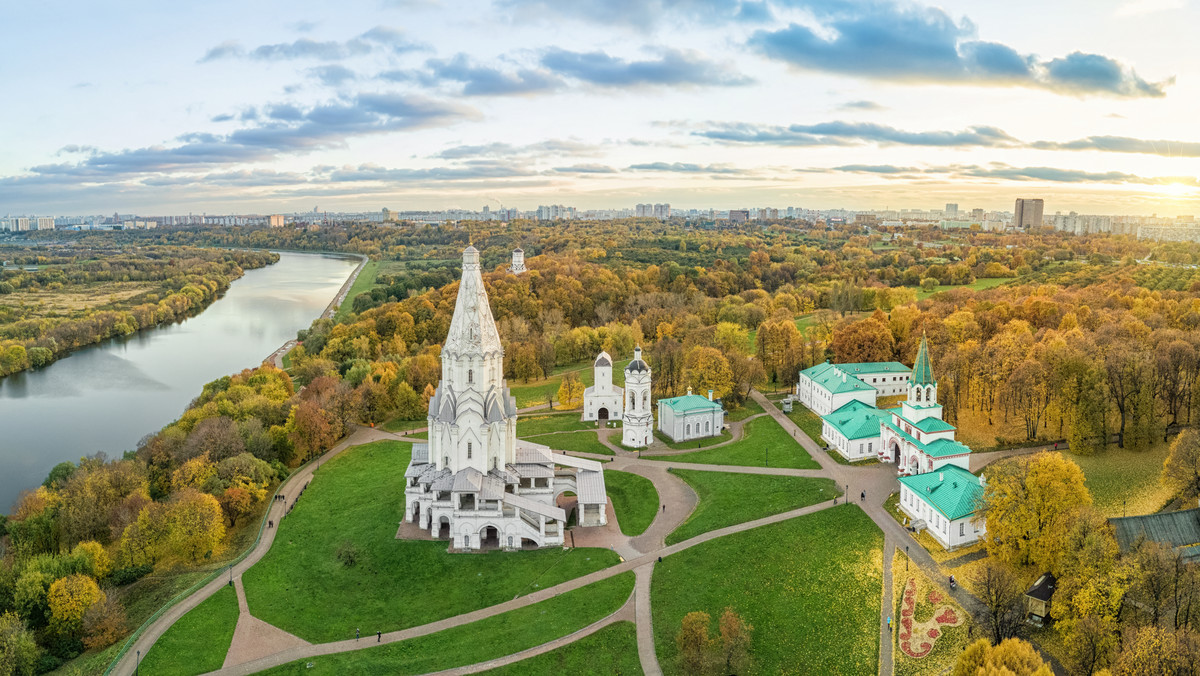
(922, 373)
(472, 327)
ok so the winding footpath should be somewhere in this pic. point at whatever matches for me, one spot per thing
(257, 645)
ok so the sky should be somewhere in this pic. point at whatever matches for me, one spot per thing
(264, 107)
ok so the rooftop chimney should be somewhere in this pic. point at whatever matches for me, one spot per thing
(982, 481)
(941, 476)
(710, 395)
(689, 391)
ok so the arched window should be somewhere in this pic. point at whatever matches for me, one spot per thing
(645, 400)
(470, 376)
(918, 394)
(706, 425)
(929, 394)
(687, 429)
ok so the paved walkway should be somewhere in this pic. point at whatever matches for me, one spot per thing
(640, 554)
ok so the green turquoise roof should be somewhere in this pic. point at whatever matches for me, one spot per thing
(951, 490)
(874, 367)
(856, 420)
(929, 425)
(832, 378)
(938, 448)
(690, 402)
(922, 369)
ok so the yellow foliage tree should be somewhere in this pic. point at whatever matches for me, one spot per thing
(707, 369)
(69, 599)
(199, 473)
(94, 552)
(1030, 505)
(570, 392)
(1012, 656)
(195, 524)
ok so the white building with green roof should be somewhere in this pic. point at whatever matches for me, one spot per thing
(690, 417)
(853, 430)
(914, 436)
(827, 387)
(945, 503)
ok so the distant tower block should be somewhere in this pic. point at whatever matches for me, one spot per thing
(637, 423)
(518, 261)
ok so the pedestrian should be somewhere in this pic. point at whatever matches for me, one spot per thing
(889, 623)
(1056, 445)
(864, 496)
(378, 636)
(664, 509)
(356, 633)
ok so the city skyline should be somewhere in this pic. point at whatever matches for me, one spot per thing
(710, 104)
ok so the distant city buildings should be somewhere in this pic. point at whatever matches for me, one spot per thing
(276, 220)
(951, 211)
(1028, 213)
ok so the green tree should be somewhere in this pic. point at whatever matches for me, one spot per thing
(18, 648)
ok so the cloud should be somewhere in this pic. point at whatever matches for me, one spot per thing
(227, 49)
(392, 38)
(467, 171)
(852, 133)
(1006, 172)
(302, 26)
(223, 117)
(687, 168)
(862, 105)
(554, 147)
(585, 169)
(638, 14)
(875, 169)
(486, 81)
(1125, 144)
(673, 68)
(332, 75)
(912, 43)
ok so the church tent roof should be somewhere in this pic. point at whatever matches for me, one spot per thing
(603, 360)
(951, 490)
(922, 369)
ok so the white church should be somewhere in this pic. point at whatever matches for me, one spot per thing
(602, 401)
(474, 483)
(637, 424)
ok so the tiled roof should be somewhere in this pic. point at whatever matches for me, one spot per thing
(690, 402)
(1176, 529)
(934, 425)
(856, 420)
(951, 490)
(875, 367)
(922, 369)
(938, 448)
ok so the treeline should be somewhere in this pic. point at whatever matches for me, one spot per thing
(185, 281)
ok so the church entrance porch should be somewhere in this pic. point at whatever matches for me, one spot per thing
(443, 528)
(896, 453)
(489, 538)
(602, 414)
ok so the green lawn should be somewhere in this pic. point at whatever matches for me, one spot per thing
(355, 502)
(197, 643)
(1125, 481)
(977, 285)
(697, 444)
(398, 425)
(809, 586)
(806, 420)
(747, 409)
(580, 442)
(363, 283)
(634, 500)
(610, 651)
(723, 498)
(534, 393)
(480, 641)
(763, 437)
(543, 423)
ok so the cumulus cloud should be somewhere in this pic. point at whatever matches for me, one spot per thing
(863, 105)
(585, 169)
(687, 168)
(1125, 144)
(378, 38)
(924, 44)
(227, 49)
(1006, 172)
(638, 14)
(674, 67)
(549, 147)
(332, 75)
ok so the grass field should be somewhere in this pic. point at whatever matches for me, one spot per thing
(480, 641)
(951, 640)
(809, 586)
(747, 409)
(723, 498)
(534, 393)
(977, 285)
(543, 423)
(363, 283)
(398, 425)
(580, 442)
(353, 505)
(634, 500)
(806, 420)
(610, 651)
(761, 434)
(697, 444)
(197, 643)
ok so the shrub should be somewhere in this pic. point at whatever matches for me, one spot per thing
(347, 553)
(129, 575)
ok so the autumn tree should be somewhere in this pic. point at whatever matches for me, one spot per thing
(1012, 656)
(1181, 471)
(1090, 592)
(1030, 504)
(778, 347)
(695, 646)
(69, 599)
(195, 526)
(199, 473)
(1002, 595)
(98, 561)
(570, 392)
(735, 642)
(707, 369)
(104, 623)
(867, 340)
(18, 647)
(236, 503)
(1153, 651)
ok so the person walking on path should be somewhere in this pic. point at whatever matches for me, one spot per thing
(356, 633)
(889, 623)
(864, 496)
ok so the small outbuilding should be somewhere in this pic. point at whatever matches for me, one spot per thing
(690, 417)
(1037, 599)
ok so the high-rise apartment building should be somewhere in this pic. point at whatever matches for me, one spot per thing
(1028, 213)
(951, 211)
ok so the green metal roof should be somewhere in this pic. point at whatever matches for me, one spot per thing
(922, 369)
(875, 367)
(951, 490)
(929, 425)
(690, 402)
(938, 448)
(856, 420)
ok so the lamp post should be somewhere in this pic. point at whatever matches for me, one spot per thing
(906, 558)
(137, 665)
(231, 575)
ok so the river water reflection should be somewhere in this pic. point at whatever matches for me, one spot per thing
(108, 396)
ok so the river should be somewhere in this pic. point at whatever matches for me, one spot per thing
(108, 396)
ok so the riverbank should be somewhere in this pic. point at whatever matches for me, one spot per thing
(276, 357)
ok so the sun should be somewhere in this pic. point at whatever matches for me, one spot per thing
(1175, 189)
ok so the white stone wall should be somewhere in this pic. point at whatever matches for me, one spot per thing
(949, 534)
(689, 424)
